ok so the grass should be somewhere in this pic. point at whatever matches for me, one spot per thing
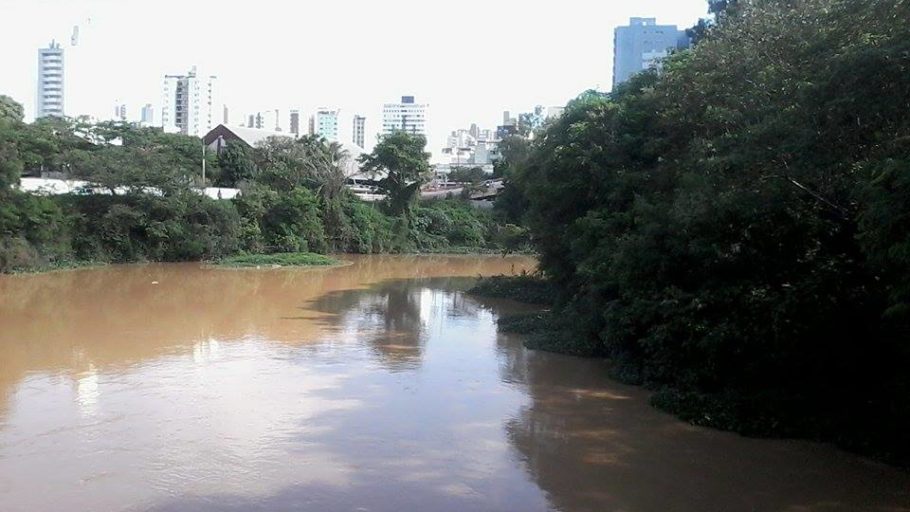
(287, 259)
(57, 266)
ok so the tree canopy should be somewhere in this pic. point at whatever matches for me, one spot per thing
(402, 159)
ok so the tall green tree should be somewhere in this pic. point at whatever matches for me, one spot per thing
(513, 154)
(402, 161)
(236, 166)
(309, 161)
(11, 164)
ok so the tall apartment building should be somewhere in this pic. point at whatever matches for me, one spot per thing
(120, 112)
(189, 104)
(147, 118)
(325, 122)
(295, 123)
(642, 44)
(406, 116)
(50, 81)
(359, 134)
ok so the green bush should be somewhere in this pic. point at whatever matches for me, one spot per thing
(528, 288)
(287, 222)
(34, 232)
(452, 222)
(298, 259)
(371, 229)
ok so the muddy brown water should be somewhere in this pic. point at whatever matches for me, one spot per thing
(377, 386)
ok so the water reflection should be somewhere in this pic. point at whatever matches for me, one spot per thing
(67, 322)
(378, 386)
(627, 456)
(87, 391)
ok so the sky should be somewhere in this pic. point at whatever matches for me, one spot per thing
(468, 59)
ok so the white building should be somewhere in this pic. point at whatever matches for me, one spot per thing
(120, 112)
(190, 103)
(50, 81)
(325, 123)
(359, 131)
(473, 147)
(147, 117)
(405, 116)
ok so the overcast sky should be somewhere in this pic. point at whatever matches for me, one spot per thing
(469, 59)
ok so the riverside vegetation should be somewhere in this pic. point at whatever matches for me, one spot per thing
(145, 204)
(732, 230)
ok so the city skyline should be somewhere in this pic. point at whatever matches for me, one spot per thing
(352, 76)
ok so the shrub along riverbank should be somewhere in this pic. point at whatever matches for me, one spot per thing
(293, 199)
(732, 230)
(38, 233)
(286, 259)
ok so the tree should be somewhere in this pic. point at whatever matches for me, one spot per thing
(309, 161)
(10, 110)
(402, 159)
(511, 202)
(236, 165)
(471, 175)
(11, 164)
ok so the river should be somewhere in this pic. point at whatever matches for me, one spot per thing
(376, 386)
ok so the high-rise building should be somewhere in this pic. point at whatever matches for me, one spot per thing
(405, 116)
(326, 124)
(359, 135)
(295, 123)
(641, 45)
(189, 103)
(50, 81)
(227, 116)
(148, 115)
(120, 112)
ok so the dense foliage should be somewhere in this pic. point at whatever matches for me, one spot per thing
(143, 203)
(403, 164)
(733, 228)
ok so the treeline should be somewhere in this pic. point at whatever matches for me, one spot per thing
(146, 205)
(734, 230)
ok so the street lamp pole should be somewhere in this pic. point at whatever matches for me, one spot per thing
(203, 165)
